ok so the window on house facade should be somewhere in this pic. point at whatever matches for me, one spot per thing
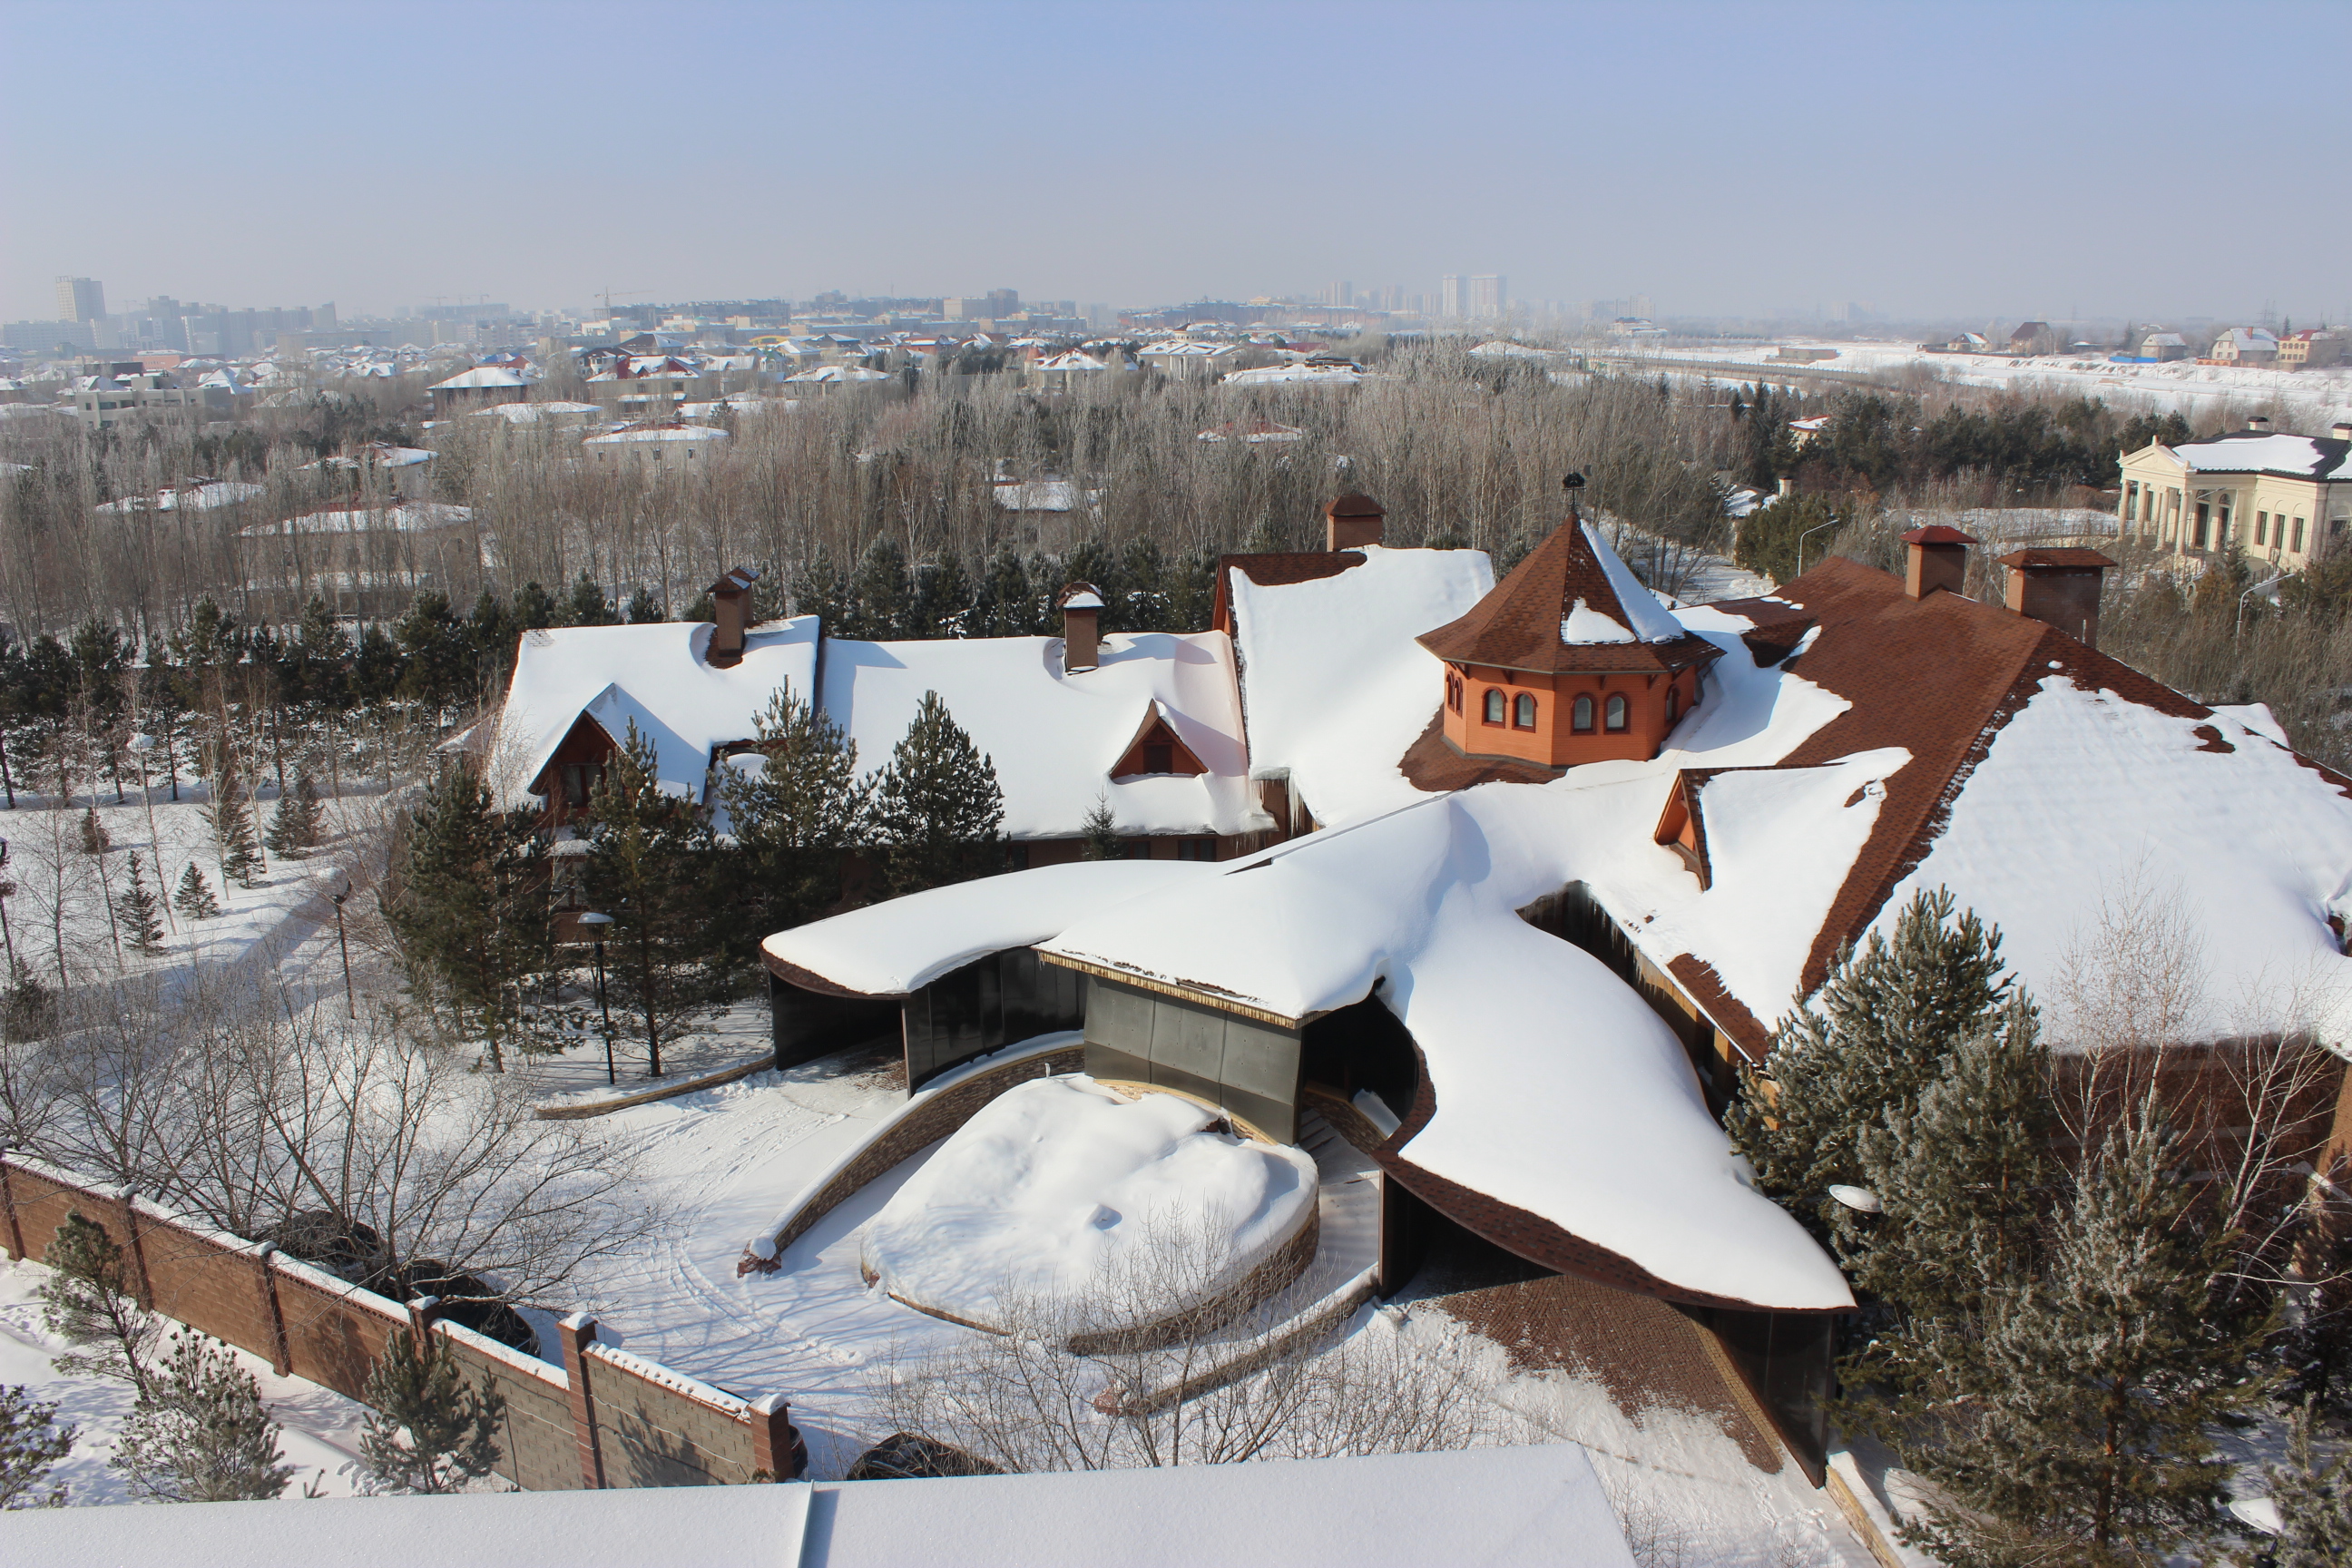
(1196, 849)
(2298, 534)
(2262, 525)
(580, 782)
(1453, 693)
(1674, 705)
(1581, 715)
(1617, 711)
(2131, 500)
(2204, 522)
(2222, 538)
(1493, 707)
(1523, 712)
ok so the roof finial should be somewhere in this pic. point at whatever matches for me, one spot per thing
(1571, 484)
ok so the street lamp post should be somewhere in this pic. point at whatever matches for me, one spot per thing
(596, 923)
(351, 1002)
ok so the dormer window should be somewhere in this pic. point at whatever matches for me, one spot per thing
(1157, 752)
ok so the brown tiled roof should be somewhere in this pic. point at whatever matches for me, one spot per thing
(1430, 763)
(2055, 558)
(1938, 533)
(1272, 570)
(1518, 626)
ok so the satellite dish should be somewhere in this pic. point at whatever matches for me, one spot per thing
(1861, 1200)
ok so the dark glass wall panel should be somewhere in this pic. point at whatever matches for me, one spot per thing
(1785, 1359)
(1250, 1069)
(811, 1024)
(985, 1005)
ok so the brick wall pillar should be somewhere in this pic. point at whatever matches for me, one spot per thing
(136, 1246)
(579, 1332)
(421, 1313)
(777, 1453)
(16, 1229)
(264, 1284)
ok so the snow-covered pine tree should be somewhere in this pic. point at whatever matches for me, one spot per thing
(588, 607)
(299, 821)
(95, 840)
(1008, 605)
(201, 1433)
(31, 1443)
(644, 608)
(194, 897)
(428, 1429)
(1878, 1032)
(647, 864)
(86, 1300)
(941, 605)
(2315, 1505)
(229, 812)
(140, 911)
(937, 805)
(1100, 829)
(793, 818)
(2081, 1426)
(28, 1008)
(472, 911)
(880, 592)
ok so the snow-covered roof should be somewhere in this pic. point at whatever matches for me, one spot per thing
(2259, 452)
(895, 948)
(666, 432)
(837, 372)
(533, 413)
(1312, 375)
(414, 516)
(378, 454)
(654, 675)
(1558, 1090)
(481, 376)
(1041, 494)
(1052, 737)
(202, 496)
(1333, 684)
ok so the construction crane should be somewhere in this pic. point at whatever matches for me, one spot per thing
(609, 294)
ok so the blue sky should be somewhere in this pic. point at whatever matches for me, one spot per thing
(1955, 159)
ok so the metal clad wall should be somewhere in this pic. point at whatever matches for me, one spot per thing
(1250, 1069)
(985, 1005)
(810, 1024)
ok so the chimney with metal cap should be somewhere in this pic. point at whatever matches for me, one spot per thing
(730, 602)
(1081, 605)
(2059, 588)
(1352, 521)
(1939, 560)
(2261, 422)
(2341, 430)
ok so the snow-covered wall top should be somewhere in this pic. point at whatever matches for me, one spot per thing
(893, 948)
(654, 675)
(1334, 688)
(1054, 737)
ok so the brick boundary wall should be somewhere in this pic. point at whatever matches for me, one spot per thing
(605, 1418)
(933, 1113)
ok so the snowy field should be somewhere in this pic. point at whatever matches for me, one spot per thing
(2312, 397)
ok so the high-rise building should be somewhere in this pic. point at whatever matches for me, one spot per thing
(80, 299)
(1488, 300)
(1449, 296)
(1342, 293)
(1003, 301)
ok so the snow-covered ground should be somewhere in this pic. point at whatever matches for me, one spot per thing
(321, 1431)
(2315, 397)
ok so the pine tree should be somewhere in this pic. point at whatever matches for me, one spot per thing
(95, 840)
(2080, 1427)
(942, 602)
(588, 607)
(1008, 605)
(299, 821)
(201, 1433)
(194, 897)
(428, 1430)
(880, 592)
(647, 864)
(29, 1009)
(31, 1442)
(793, 817)
(644, 607)
(2315, 1504)
(472, 912)
(88, 1301)
(229, 814)
(937, 805)
(141, 911)
(1101, 833)
(1881, 1029)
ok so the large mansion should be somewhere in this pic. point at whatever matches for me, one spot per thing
(2285, 499)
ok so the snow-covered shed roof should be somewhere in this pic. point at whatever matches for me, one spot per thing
(198, 495)
(414, 517)
(1333, 686)
(670, 431)
(1053, 737)
(896, 948)
(1304, 374)
(481, 376)
(534, 413)
(654, 675)
(1556, 1091)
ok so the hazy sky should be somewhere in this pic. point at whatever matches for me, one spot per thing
(1954, 159)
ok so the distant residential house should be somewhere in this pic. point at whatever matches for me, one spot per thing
(380, 468)
(2286, 499)
(650, 386)
(1186, 359)
(103, 401)
(481, 386)
(1253, 432)
(660, 447)
(1802, 431)
(363, 560)
(2164, 347)
(2033, 338)
(555, 411)
(2310, 350)
(2245, 345)
(830, 378)
(194, 494)
(1967, 343)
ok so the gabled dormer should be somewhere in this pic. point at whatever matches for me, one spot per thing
(1156, 751)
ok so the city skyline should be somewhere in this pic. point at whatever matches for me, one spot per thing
(1731, 160)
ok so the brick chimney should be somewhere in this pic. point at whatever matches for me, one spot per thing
(730, 599)
(1081, 605)
(1939, 560)
(2261, 422)
(1351, 522)
(2059, 588)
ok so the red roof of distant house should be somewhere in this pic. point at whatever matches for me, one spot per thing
(2076, 558)
(1938, 533)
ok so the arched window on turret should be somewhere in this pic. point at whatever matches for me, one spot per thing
(1494, 706)
(1617, 711)
(1581, 715)
(1523, 712)
(1673, 705)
